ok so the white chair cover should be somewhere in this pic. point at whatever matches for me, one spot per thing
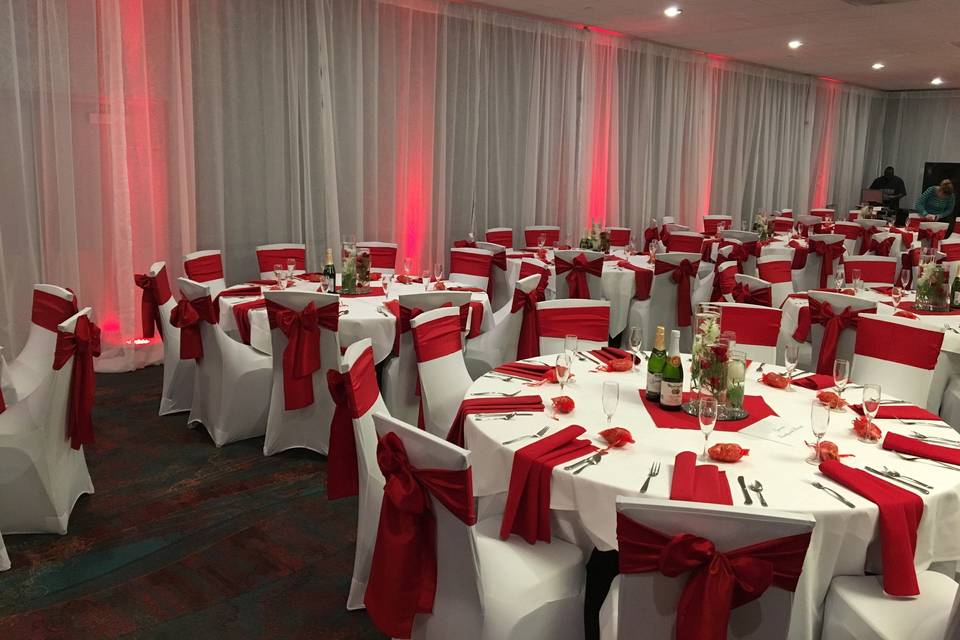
(595, 283)
(776, 269)
(551, 343)
(215, 284)
(851, 235)
(845, 342)
(7, 391)
(933, 227)
(877, 224)
(4, 558)
(502, 293)
(499, 345)
(266, 269)
(532, 234)
(178, 374)
(712, 223)
(663, 293)
(444, 380)
(895, 247)
(811, 274)
(502, 236)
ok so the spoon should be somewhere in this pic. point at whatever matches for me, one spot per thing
(757, 488)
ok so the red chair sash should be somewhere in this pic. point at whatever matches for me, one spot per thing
(866, 235)
(3, 405)
(619, 237)
(881, 247)
(642, 279)
(914, 346)
(500, 260)
(587, 323)
(828, 252)
(528, 343)
(577, 272)
(951, 251)
(760, 295)
(531, 236)
(471, 264)
(503, 238)
(403, 571)
(718, 582)
(680, 275)
(156, 291)
(241, 315)
(301, 356)
(205, 268)
(464, 244)
(187, 316)
(909, 260)
(83, 345)
(354, 393)
(382, 257)
(752, 326)
(799, 255)
(437, 338)
(834, 324)
(266, 258)
(649, 235)
(775, 271)
(724, 281)
(934, 236)
(684, 244)
(528, 269)
(50, 310)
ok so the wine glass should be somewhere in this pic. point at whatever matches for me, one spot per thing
(857, 276)
(541, 241)
(407, 266)
(871, 402)
(896, 294)
(610, 397)
(279, 274)
(385, 280)
(838, 279)
(291, 267)
(841, 374)
(707, 416)
(635, 339)
(791, 356)
(905, 278)
(570, 343)
(437, 271)
(632, 246)
(425, 276)
(819, 422)
(563, 369)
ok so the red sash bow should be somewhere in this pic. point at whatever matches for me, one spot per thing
(724, 282)
(403, 571)
(577, 274)
(933, 236)
(528, 344)
(83, 345)
(760, 296)
(354, 393)
(882, 247)
(738, 252)
(828, 252)
(649, 235)
(681, 274)
(718, 582)
(301, 356)
(156, 291)
(866, 235)
(799, 255)
(642, 279)
(833, 323)
(187, 316)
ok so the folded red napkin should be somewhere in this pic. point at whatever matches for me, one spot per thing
(915, 447)
(698, 483)
(900, 513)
(606, 354)
(240, 292)
(884, 290)
(241, 314)
(372, 293)
(904, 411)
(265, 283)
(312, 276)
(755, 406)
(611, 258)
(528, 370)
(521, 255)
(527, 512)
(460, 287)
(816, 381)
(490, 405)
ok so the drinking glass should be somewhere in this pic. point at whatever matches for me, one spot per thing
(857, 279)
(385, 279)
(291, 267)
(838, 279)
(791, 356)
(610, 397)
(707, 416)
(896, 293)
(905, 279)
(636, 340)
(841, 374)
(563, 369)
(437, 270)
(871, 401)
(278, 274)
(819, 422)
(425, 276)
(470, 236)
(541, 240)
(632, 246)
(570, 343)
(407, 267)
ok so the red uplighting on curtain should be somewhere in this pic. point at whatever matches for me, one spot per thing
(825, 149)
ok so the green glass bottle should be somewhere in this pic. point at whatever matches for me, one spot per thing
(658, 358)
(955, 293)
(330, 271)
(671, 382)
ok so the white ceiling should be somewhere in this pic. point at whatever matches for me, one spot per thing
(916, 39)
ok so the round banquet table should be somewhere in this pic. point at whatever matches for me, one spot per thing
(363, 319)
(583, 506)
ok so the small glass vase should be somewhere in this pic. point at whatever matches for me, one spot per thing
(736, 378)
(931, 287)
(348, 279)
(707, 324)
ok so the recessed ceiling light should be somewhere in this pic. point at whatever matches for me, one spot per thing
(672, 12)
(794, 44)
(937, 81)
(878, 65)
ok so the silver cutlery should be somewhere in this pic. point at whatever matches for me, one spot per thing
(344, 312)
(592, 460)
(654, 471)
(538, 434)
(920, 459)
(592, 358)
(835, 494)
(747, 500)
(503, 377)
(582, 462)
(502, 394)
(757, 488)
(893, 473)
(499, 416)
(579, 356)
(760, 370)
(384, 312)
(920, 436)
(923, 422)
(915, 487)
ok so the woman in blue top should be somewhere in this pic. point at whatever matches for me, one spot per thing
(938, 200)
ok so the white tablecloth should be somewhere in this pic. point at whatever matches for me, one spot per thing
(844, 541)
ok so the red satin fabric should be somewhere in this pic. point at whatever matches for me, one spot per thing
(950, 250)
(718, 582)
(724, 281)
(528, 343)
(528, 269)
(759, 296)
(500, 260)
(882, 247)
(301, 356)
(834, 324)
(471, 264)
(828, 252)
(799, 255)
(83, 345)
(156, 291)
(933, 236)
(437, 338)
(752, 326)
(587, 323)
(866, 235)
(706, 252)
(684, 244)
(680, 275)
(642, 279)
(266, 258)
(619, 237)
(489, 405)
(354, 393)
(738, 251)
(403, 571)
(50, 310)
(782, 226)
(577, 272)
(914, 346)
(381, 257)
(710, 226)
(187, 316)
(241, 315)
(775, 271)
(503, 238)
(649, 235)
(531, 236)
(205, 268)
(3, 404)
(464, 244)
(871, 271)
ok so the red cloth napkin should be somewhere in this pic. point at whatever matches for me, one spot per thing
(904, 411)
(610, 258)
(408, 279)
(606, 354)
(490, 405)
(312, 276)
(914, 447)
(240, 292)
(816, 381)
(884, 290)
(461, 287)
(900, 513)
(373, 293)
(527, 512)
(241, 314)
(698, 483)
(755, 406)
(529, 370)
(265, 283)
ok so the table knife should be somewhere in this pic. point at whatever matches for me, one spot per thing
(746, 494)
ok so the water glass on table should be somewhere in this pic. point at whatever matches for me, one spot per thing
(407, 267)
(280, 275)
(707, 417)
(857, 276)
(291, 267)
(870, 403)
(791, 356)
(425, 276)
(563, 369)
(896, 294)
(610, 398)
(635, 340)
(838, 280)
(905, 278)
(437, 271)
(570, 343)
(841, 375)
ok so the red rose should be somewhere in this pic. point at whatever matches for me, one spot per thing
(563, 404)
(617, 436)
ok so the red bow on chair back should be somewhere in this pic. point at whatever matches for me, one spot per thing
(760, 296)
(577, 274)
(718, 582)
(528, 344)
(833, 323)
(301, 356)
(403, 571)
(49, 310)
(437, 338)
(828, 253)
(738, 251)
(882, 247)
(799, 255)
(866, 235)
(934, 236)
(724, 282)
(187, 316)
(649, 235)
(354, 393)
(681, 274)
(83, 345)
(156, 291)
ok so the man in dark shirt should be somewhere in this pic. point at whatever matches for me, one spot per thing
(893, 188)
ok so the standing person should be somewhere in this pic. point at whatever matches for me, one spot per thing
(893, 188)
(937, 200)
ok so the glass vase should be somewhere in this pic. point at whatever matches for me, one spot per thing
(736, 378)
(931, 286)
(707, 330)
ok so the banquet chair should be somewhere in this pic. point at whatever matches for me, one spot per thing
(300, 417)
(776, 270)
(892, 350)
(383, 256)
(358, 367)
(499, 288)
(931, 234)
(471, 267)
(785, 213)
(663, 294)
(8, 393)
(533, 267)
(685, 242)
(4, 558)
(749, 240)
(856, 608)
(269, 255)
(875, 271)
(206, 267)
(567, 269)
(231, 387)
(914, 220)
(648, 601)
(807, 224)
(751, 290)
(177, 394)
(851, 233)
(444, 379)
(619, 236)
(884, 243)
(733, 249)
(399, 377)
(589, 320)
(486, 588)
(711, 224)
(41, 475)
(832, 245)
(499, 345)
(950, 248)
(782, 224)
(839, 303)
(724, 281)
(531, 235)
(757, 329)
(502, 236)
(868, 228)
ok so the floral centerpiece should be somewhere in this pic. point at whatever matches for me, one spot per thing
(761, 225)
(592, 241)
(349, 281)
(932, 294)
(707, 323)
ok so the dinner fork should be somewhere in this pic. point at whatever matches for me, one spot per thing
(920, 459)
(760, 368)
(503, 394)
(654, 471)
(500, 416)
(921, 436)
(896, 474)
(538, 434)
(923, 422)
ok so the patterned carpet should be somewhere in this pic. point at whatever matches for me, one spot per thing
(184, 540)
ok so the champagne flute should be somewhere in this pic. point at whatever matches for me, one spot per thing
(871, 403)
(905, 278)
(277, 273)
(570, 343)
(541, 241)
(857, 276)
(707, 416)
(896, 294)
(563, 369)
(291, 267)
(425, 276)
(407, 267)
(610, 397)
(791, 356)
(636, 340)
(841, 374)
(838, 279)
(437, 271)
(385, 279)
(819, 422)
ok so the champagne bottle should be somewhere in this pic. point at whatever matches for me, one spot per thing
(330, 271)
(658, 357)
(955, 293)
(671, 382)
